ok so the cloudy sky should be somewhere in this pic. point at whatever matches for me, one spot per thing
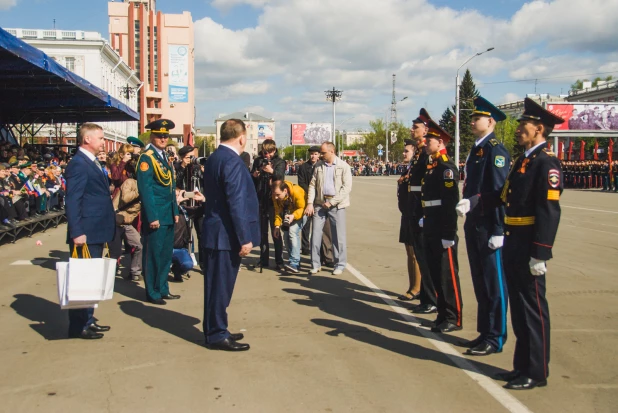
(277, 57)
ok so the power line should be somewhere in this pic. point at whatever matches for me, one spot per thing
(546, 78)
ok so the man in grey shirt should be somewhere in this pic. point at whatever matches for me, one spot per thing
(329, 195)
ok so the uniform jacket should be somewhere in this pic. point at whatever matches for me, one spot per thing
(440, 184)
(417, 174)
(231, 210)
(343, 185)
(158, 200)
(88, 202)
(294, 204)
(532, 193)
(305, 173)
(487, 167)
(126, 202)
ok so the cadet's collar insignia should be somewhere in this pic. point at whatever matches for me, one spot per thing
(553, 177)
(480, 153)
(493, 142)
(143, 166)
(500, 161)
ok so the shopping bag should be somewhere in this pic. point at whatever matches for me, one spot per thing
(90, 279)
(62, 273)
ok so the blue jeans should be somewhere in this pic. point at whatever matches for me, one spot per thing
(292, 239)
(181, 261)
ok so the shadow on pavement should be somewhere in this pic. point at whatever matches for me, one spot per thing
(49, 320)
(53, 257)
(171, 322)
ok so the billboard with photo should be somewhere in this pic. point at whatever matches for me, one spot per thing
(585, 116)
(179, 73)
(311, 133)
(265, 131)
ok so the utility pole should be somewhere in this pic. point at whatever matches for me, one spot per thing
(334, 96)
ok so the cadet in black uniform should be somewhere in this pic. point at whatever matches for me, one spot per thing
(440, 194)
(486, 169)
(531, 194)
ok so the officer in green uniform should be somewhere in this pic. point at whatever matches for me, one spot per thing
(136, 143)
(156, 184)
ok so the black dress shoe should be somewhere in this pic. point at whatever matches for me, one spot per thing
(178, 278)
(158, 301)
(170, 297)
(99, 329)
(228, 345)
(483, 349)
(86, 334)
(508, 376)
(425, 309)
(471, 343)
(524, 383)
(237, 336)
(431, 323)
(446, 327)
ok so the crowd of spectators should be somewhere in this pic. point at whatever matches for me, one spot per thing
(363, 167)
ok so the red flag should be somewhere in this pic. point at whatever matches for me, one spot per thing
(548, 145)
(582, 154)
(610, 151)
(596, 149)
(570, 150)
(560, 150)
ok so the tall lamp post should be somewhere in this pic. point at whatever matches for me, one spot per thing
(333, 96)
(457, 103)
(387, 127)
(340, 147)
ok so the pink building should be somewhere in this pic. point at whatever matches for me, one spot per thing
(160, 48)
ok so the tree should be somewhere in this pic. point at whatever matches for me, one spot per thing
(579, 83)
(447, 122)
(205, 145)
(505, 133)
(145, 138)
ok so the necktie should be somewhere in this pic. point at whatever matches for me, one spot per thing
(96, 161)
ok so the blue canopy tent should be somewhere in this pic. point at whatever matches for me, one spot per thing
(36, 89)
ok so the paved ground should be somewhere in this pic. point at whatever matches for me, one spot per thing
(319, 344)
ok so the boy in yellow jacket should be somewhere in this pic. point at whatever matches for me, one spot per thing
(289, 200)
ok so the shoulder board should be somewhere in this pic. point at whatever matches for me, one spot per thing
(444, 158)
(149, 152)
(548, 152)
(493, 142)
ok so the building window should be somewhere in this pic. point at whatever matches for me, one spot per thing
(70, 63)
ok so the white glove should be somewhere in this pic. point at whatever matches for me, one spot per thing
(463, 207)
(447, 244)
(537, 267)
(496, 241)
(420, 222)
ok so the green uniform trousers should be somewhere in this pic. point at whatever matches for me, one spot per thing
(158, 246)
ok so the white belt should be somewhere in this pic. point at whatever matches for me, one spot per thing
(415, 189)
(437, 202)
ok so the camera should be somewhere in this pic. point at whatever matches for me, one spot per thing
(285, 225)
(200, 160)
(170, 154)
(134, 156)
(263, 162)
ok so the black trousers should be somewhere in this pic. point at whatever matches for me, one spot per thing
(488, 280)
(529, 310)
(267, 220)
(444, 270)
(428, 291)
(21, 209)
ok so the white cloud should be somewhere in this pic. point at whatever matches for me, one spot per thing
(509, 97)
(7, 4)
(300, 48)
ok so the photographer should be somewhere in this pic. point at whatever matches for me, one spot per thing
(182, 261)
(289, 200)
(268, 167)
(183, 170)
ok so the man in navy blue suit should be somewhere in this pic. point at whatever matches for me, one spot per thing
(90, 215)
(230, 230)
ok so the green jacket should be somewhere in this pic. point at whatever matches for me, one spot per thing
(156, 184)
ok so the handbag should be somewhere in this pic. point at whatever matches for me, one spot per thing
(62, 275)
(91, 279)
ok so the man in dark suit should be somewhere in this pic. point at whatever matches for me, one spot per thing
(90, 216)
(230, 230)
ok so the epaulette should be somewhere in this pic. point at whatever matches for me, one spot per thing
(444, 158)
(493, 142)
(548, 152)
(149, 152)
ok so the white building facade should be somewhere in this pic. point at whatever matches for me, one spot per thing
(259, 128)
(89, 56)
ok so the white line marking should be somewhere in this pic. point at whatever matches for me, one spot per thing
(502, 396)
(589, 229)
(589, 209)
(597, 386)
(29, 262)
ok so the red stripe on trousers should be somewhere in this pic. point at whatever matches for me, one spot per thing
(450, 261)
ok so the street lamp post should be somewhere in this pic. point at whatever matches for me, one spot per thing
(386, 125)
(333, 96)
(457, 103)
(340, 147)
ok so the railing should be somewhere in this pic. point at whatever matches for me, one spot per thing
(54, 34)
(604, 86)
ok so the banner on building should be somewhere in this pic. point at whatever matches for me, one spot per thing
(311, 133)
(265, 131)
(586, 116)
(178, 73)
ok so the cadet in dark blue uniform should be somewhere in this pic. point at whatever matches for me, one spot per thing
(156, 184)
(531, 194)
(486, 169)
(440, 194)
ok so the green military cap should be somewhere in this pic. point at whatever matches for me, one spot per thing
(161, 126)
(41, 166)
(132, 140)
(14, 164)
(25, 165)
